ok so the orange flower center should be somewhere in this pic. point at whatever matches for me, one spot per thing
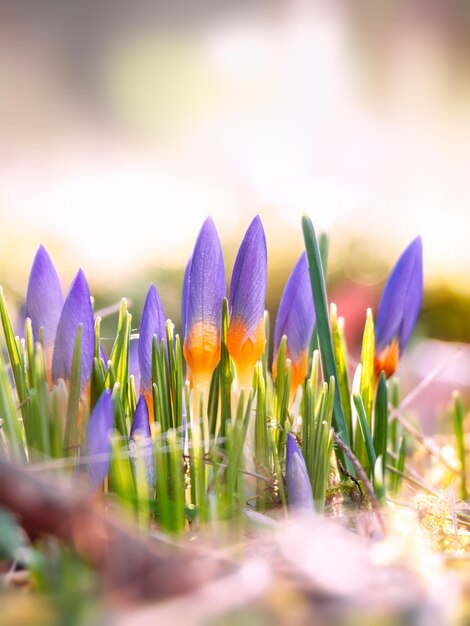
(245, 350)
(387, 360)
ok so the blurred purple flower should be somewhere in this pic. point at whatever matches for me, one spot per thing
(246, 336)
(203, 291)
(44, 298)
(99, 438)
(140, 439)
(76, 310)
(152, 323)
(299, 490)
(399, 308)
(296, 319)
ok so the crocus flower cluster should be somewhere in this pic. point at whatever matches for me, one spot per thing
(55, 322)
(60, 320)
(203, 292)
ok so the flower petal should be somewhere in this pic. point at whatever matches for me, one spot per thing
(134, 367)
(205, 291)
(98, 437)
(76, 310)
(246, 335)
(296, 319)
(152, 323)
(44, 298)
(299, 490)
(184, 296)
(140, 424)
(401, 299)
(248, 285)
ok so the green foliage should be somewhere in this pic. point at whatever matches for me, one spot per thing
(213, 458)
(317, 411)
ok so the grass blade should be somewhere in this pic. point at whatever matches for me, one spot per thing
(324, 332)
(459, 435)
(381, 421)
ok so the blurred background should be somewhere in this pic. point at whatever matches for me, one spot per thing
(123, 125)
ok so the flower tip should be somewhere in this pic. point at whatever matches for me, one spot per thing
(292, 447)
(246, 336)
(152, 323)
(203, 292)
(140, 424)
(401, 298)
(295, 320)
(208, 228)
(44, 298)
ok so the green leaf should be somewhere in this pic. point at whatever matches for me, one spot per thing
(262, 443)
(365, 432)
(121, 477)
(9, 414)
(366, 386)
(341, 359)
(225, 372)
(198, 472)
(396, 479)
(237, 440)
(162, 401)
(213, 402)
(323, 245)
(16, 362)
(282, 393)
(324, 332)
(381, 421)
(120, 352)
(58, 402)
(367, 366)
(460, 436)
(176, 486)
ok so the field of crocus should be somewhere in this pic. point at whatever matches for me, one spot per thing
(241, 469)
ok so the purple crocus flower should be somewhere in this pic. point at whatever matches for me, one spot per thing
(140, 424)
(299, 490)
(246, 336)
(296, 319)
(399, 308)
(140, 439)
(99, 438)
(204, 291)
(44, 298)
(152, 323)
(184, 295)
(76, 310)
